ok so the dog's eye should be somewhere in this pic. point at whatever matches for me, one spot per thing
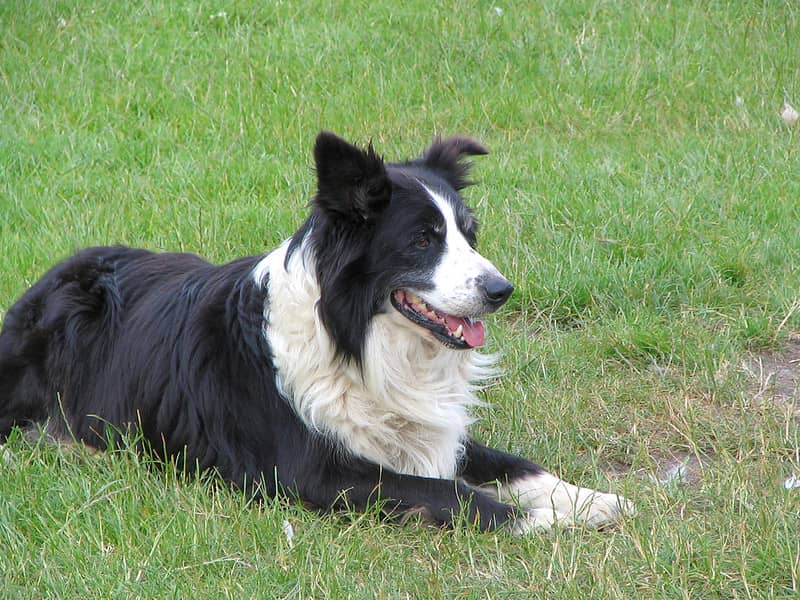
(428, 235)
(423, 240)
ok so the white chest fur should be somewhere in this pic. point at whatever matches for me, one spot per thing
(407, 409)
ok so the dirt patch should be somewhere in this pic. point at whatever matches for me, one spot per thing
(776, 374)
(668, 468)
(679, 468)
(774, 378)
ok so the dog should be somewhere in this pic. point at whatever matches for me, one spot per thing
(339, 369)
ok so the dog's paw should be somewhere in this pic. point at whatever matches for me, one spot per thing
(595, 509)
(539, 520)
(576, 505)
(599, 509)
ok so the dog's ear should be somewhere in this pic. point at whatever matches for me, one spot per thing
(447, 158)
(351, 183)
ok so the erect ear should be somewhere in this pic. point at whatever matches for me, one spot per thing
(447, 157)
(351, 183)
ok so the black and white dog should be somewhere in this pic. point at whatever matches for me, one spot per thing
(339, 368)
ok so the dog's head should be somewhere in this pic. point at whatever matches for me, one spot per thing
(398, 238)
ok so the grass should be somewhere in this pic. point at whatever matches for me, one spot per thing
(642, 194)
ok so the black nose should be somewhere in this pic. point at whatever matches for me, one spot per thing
(496, 289)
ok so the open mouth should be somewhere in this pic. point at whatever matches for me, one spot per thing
(452, 331)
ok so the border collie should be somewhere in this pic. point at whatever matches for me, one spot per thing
(339, 368)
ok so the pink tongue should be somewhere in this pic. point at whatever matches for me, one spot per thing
(471, 330)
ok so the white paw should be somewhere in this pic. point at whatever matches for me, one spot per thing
(601, 509)
(539, 520)
(553, 496)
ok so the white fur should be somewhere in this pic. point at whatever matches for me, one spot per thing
(455, 279)
(551, 501)
(408, 410)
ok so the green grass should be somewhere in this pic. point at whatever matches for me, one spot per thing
(642, 194)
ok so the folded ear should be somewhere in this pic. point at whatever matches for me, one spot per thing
(447, 157)
(351, 183)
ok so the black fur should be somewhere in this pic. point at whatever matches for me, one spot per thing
(114, 340)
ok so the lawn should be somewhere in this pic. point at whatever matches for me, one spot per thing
(643, 193)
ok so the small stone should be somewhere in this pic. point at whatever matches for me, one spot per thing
(789, 115)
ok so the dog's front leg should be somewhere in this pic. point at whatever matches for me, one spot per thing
(546, 499)
(441, 501)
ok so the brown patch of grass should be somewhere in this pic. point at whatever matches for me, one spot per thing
(776, 374)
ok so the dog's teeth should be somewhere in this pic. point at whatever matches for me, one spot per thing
(459, 330)
(419, 305)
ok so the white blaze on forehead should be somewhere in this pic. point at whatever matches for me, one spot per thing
(455, 238)
(455, 279)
